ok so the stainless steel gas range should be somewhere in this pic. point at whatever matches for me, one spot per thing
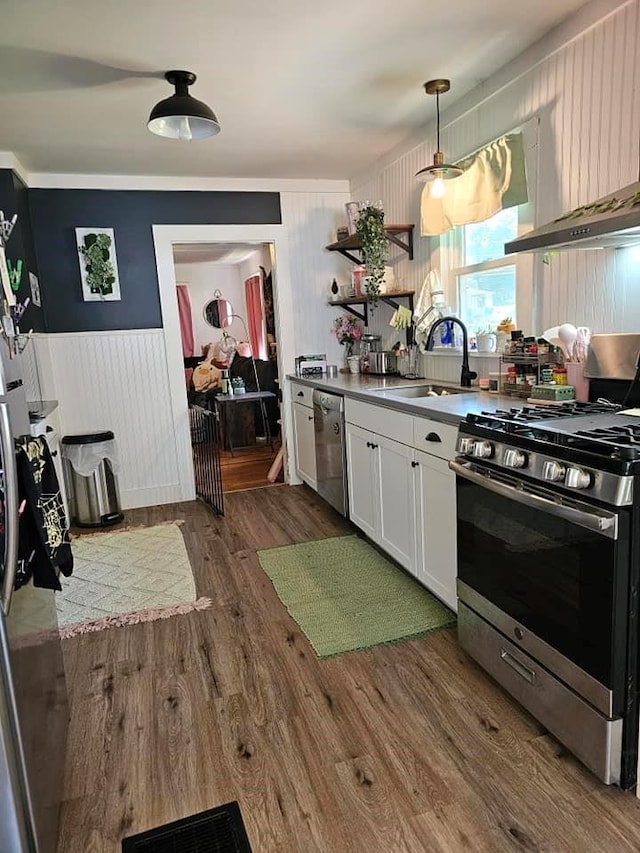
(548, 518)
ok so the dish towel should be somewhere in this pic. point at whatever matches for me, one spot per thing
(44, 547)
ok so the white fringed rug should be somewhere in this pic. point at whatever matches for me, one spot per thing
(123, 577)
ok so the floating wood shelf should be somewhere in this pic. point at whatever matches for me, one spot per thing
(387, 298)
(394, 233)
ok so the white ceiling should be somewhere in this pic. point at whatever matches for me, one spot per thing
(213, 253)
(301, 88)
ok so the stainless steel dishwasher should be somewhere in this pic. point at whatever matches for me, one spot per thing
(331, 465)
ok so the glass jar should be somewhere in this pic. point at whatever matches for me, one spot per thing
(368, 343)
(371, 343)
(560, 375)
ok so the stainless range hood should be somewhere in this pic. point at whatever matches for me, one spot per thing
(611, 222)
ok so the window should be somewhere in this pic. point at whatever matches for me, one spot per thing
(486, 280)
(481, 281)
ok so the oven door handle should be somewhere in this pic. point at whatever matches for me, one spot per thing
(600, 521)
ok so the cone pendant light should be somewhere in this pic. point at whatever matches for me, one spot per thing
(440, 172)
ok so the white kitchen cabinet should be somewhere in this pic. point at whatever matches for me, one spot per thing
(362, 476)
(381, 492)
(435, 525)
(396, 500)
(305, 447)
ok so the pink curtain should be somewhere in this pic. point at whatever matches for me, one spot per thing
(255, 316)
(186, 326)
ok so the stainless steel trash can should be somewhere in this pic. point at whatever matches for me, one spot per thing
(92, 487)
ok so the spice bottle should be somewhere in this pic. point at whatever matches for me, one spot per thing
(560, 375)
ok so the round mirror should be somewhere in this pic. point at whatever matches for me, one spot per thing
(218, 313)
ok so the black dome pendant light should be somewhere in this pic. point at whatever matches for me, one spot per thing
(181, 116)
(440, 171)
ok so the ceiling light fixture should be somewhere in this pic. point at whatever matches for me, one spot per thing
(181, 116)
(440, 172)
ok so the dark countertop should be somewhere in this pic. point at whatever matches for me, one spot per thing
(379, 390)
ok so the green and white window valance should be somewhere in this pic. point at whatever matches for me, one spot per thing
(494, 178)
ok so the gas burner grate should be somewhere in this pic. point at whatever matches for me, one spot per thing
(624, 439)
(512, 419)
(625, 433)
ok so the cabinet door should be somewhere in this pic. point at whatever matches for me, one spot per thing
(362, 478)
(435, 505)
(396, 500)
(305, 443)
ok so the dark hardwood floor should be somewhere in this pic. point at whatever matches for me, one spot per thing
(248, 467)
(401, 749)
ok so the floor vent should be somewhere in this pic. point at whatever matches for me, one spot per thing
(218, 830)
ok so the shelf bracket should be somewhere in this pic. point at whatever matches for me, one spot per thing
(407, 247)
(392, 302)
(364, 316)
(347, 254)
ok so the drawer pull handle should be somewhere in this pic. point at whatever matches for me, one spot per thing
(415, 464)
(522, 670)
(55, 453)
(310, 417)
(373, 446)
(300, 393)
(433, 436)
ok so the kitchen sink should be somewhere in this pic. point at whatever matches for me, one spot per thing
(428, 390)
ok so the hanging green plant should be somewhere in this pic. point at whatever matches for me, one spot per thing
(370, 230)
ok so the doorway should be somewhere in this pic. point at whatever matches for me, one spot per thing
(230, 361)
(165, 237)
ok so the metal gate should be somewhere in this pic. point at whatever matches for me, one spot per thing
(205, 445)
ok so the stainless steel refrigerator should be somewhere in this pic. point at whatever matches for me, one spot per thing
(33, 697)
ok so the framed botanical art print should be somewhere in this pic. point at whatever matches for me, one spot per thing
(98, 264)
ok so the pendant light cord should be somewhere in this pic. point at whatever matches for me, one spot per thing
(437, 121)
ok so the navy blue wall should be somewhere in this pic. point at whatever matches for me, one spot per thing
(56, 214)
(13, 199)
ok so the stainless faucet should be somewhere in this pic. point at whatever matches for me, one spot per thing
(466, 375)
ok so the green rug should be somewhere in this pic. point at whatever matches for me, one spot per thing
(345, 595)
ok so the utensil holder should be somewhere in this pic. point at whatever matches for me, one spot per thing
(576, 377)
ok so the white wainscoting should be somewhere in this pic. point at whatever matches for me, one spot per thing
(118, 381)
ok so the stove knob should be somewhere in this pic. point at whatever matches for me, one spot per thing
(465, 445)
(553, 471)
(515, 458)
(483, 449)
(577, 478)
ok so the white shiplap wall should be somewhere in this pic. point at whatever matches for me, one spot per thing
(585, 93)
(312, 220)
(118, 381)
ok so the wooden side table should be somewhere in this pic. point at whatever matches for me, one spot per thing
(223, 401)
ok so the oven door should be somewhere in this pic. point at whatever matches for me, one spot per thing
(551, 573)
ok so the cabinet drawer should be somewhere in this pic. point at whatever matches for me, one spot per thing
(378, 419)
(302, 394)
(434, 437)
(592, 737)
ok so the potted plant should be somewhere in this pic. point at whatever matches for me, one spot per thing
(370, 230)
